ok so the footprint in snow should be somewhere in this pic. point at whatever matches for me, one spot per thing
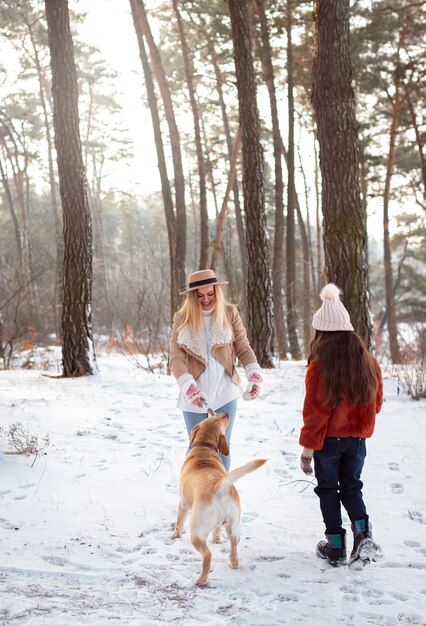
(416, 516)
(397, 488)
(416, 546)
(394, 467)
(4, 523)
(55, 560)
(20, 497)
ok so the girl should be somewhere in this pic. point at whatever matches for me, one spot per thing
(343, 394)
(207, 335)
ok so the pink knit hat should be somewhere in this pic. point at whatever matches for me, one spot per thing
(332, 315)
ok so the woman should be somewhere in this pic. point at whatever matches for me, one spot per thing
(343, 394)
(207, 335)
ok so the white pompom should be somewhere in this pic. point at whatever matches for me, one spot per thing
(330, 292)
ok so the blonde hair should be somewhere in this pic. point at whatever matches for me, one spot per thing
(191, 312)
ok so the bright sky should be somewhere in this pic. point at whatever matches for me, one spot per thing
(109, 27)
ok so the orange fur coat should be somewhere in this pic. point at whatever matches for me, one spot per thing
(320, 421)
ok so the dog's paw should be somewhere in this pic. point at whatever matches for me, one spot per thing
(176, 534)
(201, 580)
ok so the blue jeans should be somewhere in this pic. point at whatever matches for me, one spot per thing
(338, 468)
(192, 419)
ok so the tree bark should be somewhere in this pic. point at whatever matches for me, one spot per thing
(78, 354)
(334, 106)
(259, 287)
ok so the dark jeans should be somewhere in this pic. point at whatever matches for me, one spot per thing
(338, 468)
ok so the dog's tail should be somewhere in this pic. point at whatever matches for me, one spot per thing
(238, 473)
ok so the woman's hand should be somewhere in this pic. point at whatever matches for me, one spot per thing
(197, 397)
(253, 387)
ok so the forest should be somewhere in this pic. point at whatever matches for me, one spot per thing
(289, 143)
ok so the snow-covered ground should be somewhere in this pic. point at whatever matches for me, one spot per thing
(84, 531)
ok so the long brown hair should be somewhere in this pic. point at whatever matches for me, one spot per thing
(346, 366)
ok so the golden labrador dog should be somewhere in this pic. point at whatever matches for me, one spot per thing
(209, 493)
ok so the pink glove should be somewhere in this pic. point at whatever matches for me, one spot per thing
(253, 387)
(197, 397)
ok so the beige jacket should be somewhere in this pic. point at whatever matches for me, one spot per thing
(188, 351)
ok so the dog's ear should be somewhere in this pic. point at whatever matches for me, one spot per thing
(194, 431)
(223, 445)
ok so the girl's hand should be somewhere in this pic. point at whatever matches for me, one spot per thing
(306, 461)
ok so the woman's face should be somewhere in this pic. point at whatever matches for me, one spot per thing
(206, 297)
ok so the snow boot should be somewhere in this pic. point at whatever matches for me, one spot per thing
(334, 549)
(365, 549)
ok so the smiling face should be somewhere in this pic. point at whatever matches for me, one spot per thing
(206, 297)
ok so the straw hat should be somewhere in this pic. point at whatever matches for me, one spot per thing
(332, 315)
(201, 279)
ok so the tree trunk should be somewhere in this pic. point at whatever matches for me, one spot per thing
(189, 75)
(169, 211)
(12, 209)
(334, 105)
(420, 139)
(259, 286)
(220, 224)
(78, 352)
(306, 281)
(292, 317)
(235, 189)
(318, 221)
(278, 256)
(160, 76)
(57, 223)
(387, 256)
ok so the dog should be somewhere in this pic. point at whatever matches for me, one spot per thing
(209, 493)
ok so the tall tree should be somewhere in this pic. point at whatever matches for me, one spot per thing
(235, 189)
(160, 76)
(33, 27)
(389, 281)
(169, 210)
(334, 105)
(278, 256)
(189, 75)
(259, 286)
(78, 354)
(292, 318)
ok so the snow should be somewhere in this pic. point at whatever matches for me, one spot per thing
(84, 530)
